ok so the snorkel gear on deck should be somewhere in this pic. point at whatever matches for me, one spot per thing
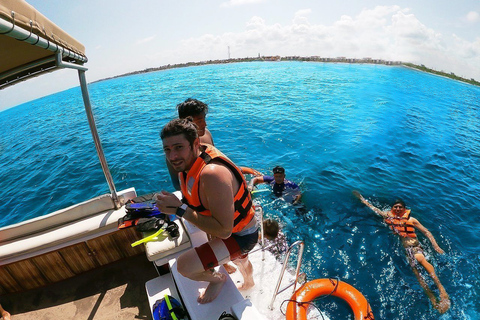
(157, 224)
(168, 308)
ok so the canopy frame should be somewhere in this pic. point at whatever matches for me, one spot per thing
(60, 58)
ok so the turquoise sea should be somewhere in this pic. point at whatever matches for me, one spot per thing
(386, 131)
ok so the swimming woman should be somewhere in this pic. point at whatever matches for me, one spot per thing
(401, 223)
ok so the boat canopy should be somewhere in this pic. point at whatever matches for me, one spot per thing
(30, 44)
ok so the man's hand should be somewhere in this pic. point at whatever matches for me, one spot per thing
(439, 250)
(358, 195)
(167, 202)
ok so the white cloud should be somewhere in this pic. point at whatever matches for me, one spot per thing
(145, 40)
(384, 32)
(233, 3)
(473, 16)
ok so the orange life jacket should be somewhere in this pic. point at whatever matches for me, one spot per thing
(189, 183)
(401, 225)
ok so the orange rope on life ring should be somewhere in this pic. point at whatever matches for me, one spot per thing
(246, 170)
(297, 309)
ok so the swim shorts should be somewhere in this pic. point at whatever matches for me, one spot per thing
(219, 251)
(412, 250)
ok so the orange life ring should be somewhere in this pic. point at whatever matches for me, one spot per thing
(246, 170)
(319, 287)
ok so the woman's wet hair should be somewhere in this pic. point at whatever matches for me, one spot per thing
(399, 201)
(191, 108)
(180, 126)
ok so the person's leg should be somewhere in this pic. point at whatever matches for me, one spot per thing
(190, 266)
(424, 285)
(198, 263)
(444, 303)
(229, 268)
(246, 269)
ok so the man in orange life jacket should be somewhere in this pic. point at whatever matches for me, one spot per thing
(216, 200)
(400, 222)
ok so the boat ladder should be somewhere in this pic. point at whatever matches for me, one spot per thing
(300, 244)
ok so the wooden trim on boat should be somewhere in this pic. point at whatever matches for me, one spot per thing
(68, 262)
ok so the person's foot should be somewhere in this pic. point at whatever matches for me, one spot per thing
(229, 268)
(247, 284)
(6, 315)
(212, 290)
(444, 303)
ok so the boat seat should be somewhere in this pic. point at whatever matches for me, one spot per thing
(189, 290)
(165, 247)
(80, 222)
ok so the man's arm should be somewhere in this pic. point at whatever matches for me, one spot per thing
(254, 182)
(427, 234)
(368, 204)
(299, 193)
(297, 198)
(216, 185)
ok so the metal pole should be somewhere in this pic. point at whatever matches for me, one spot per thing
(301, 244)
(263, 233)
(96, 138)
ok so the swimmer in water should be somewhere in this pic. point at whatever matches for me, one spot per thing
(281, 187)
(399, 220)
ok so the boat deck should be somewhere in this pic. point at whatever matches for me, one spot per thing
(115, 291)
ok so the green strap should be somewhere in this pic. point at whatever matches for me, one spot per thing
(148, 238)
(169, 305)
(259, 190)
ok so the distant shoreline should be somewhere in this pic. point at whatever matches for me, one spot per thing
(298, 58)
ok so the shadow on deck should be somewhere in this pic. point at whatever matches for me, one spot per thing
(115, 291)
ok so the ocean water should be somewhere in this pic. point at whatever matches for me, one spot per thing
(386, 131)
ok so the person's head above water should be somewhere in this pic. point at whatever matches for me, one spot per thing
(398, 207)
(279, 174)
(195, 109)
(270, 229)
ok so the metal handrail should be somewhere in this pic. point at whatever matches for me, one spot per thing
(301, 245)
(96, 139)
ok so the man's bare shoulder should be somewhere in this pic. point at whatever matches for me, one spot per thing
(207, 137)
(216, 170)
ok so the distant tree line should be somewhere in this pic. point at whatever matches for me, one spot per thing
(450, 75)
(299, 58)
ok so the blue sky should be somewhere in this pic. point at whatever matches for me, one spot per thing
(124, 36)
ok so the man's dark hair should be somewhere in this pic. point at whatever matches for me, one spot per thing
(270, 229)
(191, 108)
(399, 201)
(180, 126)
(278, 169)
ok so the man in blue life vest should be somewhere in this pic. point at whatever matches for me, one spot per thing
(216, 200)
(402, 224)
(281, 187)
(198, 111)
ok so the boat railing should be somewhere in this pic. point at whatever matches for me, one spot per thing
(300, 244)
(259, 214)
